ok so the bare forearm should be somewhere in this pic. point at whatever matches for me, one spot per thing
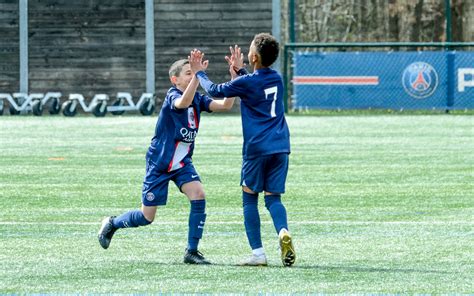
(222, 105)
(228, 103)
(188, 95)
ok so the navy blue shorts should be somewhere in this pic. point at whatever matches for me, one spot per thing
(266, 173)
(155, 185)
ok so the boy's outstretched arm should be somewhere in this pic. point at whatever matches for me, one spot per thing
(222, 105)
(227, 89)
(227, 103)
(235, 62)
(188, 94)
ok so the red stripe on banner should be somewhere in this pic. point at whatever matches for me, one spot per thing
(337, 80)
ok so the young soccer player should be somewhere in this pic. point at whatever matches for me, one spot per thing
(266, 140)
(169, 158)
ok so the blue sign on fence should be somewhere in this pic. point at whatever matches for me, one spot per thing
(464, 81)
(389, 80)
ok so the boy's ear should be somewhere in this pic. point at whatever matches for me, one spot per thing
(255, 58)
(173, 79)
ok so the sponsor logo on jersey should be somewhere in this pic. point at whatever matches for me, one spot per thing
(188, 135)
(420, 80)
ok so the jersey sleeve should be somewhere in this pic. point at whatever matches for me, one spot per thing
(234, 88)
(173, 95)
(242, 71)
(204, 102)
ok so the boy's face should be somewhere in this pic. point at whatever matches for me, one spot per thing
(182, 81)
(253, 55)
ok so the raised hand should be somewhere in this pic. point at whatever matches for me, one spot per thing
(196, 62)
(236, 59)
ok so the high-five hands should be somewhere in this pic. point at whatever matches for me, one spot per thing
(196, 61)
(235, 61)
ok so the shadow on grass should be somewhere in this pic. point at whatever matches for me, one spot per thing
(367, 269)
(320, 268)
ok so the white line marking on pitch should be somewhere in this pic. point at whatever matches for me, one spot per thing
(263, 222)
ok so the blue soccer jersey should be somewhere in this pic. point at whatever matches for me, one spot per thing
(264, 126)
(173, 144)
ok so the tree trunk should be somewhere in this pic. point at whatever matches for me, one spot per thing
(416, 31)
(393, 20)
(439, 24)
(457, 20)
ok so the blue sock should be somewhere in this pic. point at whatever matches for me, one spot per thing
(197, 219)
(133, 218)
(277, 211)
(252, 219)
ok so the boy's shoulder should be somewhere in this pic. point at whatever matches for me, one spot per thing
(173, 91)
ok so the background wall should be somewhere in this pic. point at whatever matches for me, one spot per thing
(9, 51)
(211, 26)
(98, 46)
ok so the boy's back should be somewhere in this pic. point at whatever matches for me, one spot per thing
(263, 122)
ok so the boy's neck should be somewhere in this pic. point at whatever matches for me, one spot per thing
(258, 67)
(182, 90)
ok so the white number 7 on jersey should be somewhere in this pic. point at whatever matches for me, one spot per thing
(272, 91)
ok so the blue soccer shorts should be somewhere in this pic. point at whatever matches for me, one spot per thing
(265, 173)
(155, 185)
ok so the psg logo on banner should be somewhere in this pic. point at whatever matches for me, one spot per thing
(420, 80)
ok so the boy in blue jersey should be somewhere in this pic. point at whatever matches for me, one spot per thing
(169, 158)
(266, 139)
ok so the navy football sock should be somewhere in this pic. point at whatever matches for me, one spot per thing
(197, 219)
(277, 211)
(133, 218)
(252, 219)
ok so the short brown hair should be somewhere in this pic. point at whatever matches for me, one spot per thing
(177, 67)
(267, 47)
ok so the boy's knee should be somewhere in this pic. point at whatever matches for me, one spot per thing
(272, 199)
(198, 195)
(149, 218)
(149, 215)
(201, 194)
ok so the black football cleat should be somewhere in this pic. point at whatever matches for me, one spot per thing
(106, 232)
(195, 257)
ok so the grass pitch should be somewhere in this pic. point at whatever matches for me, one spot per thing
(376, 204)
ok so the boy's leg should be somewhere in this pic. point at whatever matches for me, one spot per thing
(197, 214)
(276, 170)
(277, 211)
(252, 182)
(134, 218)
(252, 228)
(189, 183)
(154, 193)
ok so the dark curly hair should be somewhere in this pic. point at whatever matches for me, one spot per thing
(267, 47)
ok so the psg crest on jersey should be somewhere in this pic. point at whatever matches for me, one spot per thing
(420, 80)
(192, 120)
